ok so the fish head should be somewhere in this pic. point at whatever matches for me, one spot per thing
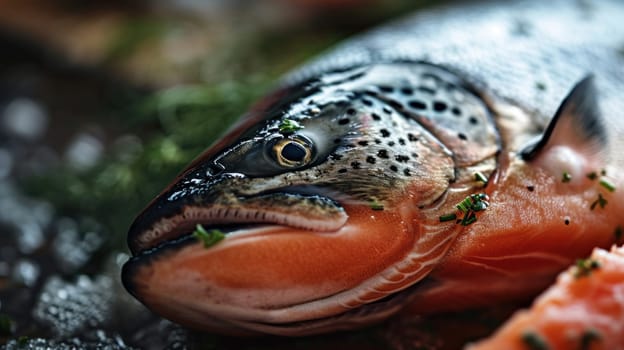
(319, 195)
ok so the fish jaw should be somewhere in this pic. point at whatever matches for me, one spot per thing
(280, 279)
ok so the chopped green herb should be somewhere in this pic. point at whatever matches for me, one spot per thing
(534, 341)
(470, 205)
(540, 86)
(566, 177)
(448, 217)
(607, 184)
(288, 126)
(584, 267)
(479, 176)
(601, 201)
(376, 205)
(618, 233)
(592, 176)
(474, 202)
(588, 337)
(209, 238)
(468, 219)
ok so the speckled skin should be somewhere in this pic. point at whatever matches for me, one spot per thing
(389, 131)
(527, 52)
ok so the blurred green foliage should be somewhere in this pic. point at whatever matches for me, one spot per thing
(188, 119)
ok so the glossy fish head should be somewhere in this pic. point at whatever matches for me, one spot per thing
(319, 196)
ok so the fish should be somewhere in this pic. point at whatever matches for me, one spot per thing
(583, 310)
(460, 157)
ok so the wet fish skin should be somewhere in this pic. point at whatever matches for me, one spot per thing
(512, 65)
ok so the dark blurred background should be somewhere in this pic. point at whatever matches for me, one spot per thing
(101, 104)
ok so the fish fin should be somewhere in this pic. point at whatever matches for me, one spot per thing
(578, 124)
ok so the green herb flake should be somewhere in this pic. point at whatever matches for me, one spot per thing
(541, 86)
(566, 177)
(209, 238)
(288, 126)
(584, 267)
(479, 176)
(589, 336)
(592, 176)
(601, 201)
(468, 219)
(534, 341)
(376, 205)
(608, 185)
(618, 233)
(448, 217)
(470, 205)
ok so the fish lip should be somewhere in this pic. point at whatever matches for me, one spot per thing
(368, 313)
(150, 230)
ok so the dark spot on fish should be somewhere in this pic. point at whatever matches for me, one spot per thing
(367, 102)
(407, 172)
(412, 137)
(386, 88)
(566, 221)
(378, 141)
(456, 111)
(382, 153)
(370, 159)
(363, 143)
(351, 111)
(417, 104)
(391, 143)
(426, 90)
(401, 141)
(371, 93)
(384, 133)
(531, 188)
(396, 104)
(407, 91)
(394, 168)
(401, 158)
(439, 106)
(462, 136)
(335, 156)
(376, 116)
(473, 120)
(356, 165)
(540, 86)
(342, 171)
(355, 76)
(337, 141)
(415, 155)
(344, 121)
(387, 110)
(450, 87)
(429, 75)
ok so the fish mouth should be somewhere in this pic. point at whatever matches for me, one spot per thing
(291, 263)
(232, 215)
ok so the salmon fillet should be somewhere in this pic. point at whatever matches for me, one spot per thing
(583, 310)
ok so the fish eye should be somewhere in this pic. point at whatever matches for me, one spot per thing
(293, 152)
